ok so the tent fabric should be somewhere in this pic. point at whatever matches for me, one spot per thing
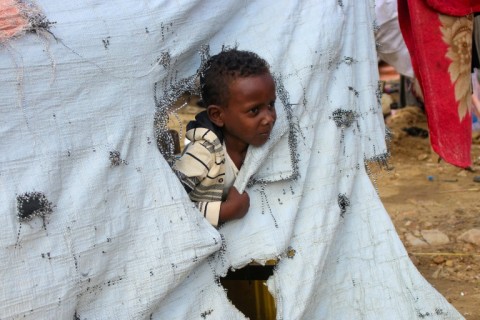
(441, 51)
(95, 225)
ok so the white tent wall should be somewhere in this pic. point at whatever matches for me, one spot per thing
(120, 238)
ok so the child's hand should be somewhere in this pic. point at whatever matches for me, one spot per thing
(235, 206)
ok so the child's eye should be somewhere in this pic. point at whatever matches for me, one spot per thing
(254, 110)
(271, 105)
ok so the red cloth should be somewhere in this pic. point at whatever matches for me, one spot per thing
(440, 47)
(455, 7)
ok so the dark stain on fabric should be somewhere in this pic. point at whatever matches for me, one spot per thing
(291, 252)
(206, 313)
(99, 287)
(424, 315)
(75, 261)
(343, 203)
(46, 255)
(164, 59)
(439, 311)
(31, 205)
(39, 21)
(355, 92)
(115, 159)
(106, 42)
(344, 118)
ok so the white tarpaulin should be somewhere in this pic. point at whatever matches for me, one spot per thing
(94, 224)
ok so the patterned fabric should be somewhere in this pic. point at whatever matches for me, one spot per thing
(455, 7)
(201, 169)
(441, 47)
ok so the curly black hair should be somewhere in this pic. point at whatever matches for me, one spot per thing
(225, 67)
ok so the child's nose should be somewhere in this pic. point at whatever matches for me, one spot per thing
(269, 117)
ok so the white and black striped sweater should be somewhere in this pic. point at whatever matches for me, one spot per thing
(201, 167)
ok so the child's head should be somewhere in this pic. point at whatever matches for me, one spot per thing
(239, 93)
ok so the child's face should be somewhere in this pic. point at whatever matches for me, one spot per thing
(250, 113)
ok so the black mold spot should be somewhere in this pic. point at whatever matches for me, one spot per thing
(75, 261)
(343, 203)
(344, 118)
(31, 205)
(379, 93)
(146, 30)
(106, 42)
(46, 255)
(424, 315)
(206, 313)
(76, 316)
(164, 59)
(99, 287)
(340, 3)
(115, 159)
(40, 21)
(355, 92)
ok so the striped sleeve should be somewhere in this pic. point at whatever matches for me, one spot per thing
(194, 164)
(210, 210)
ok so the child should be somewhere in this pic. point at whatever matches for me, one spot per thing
(238, 92)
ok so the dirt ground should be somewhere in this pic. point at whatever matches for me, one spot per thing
(422, 194)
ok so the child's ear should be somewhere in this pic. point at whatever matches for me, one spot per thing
(215, 113)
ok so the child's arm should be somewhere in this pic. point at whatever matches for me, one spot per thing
(235, 206)
(192, 168)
